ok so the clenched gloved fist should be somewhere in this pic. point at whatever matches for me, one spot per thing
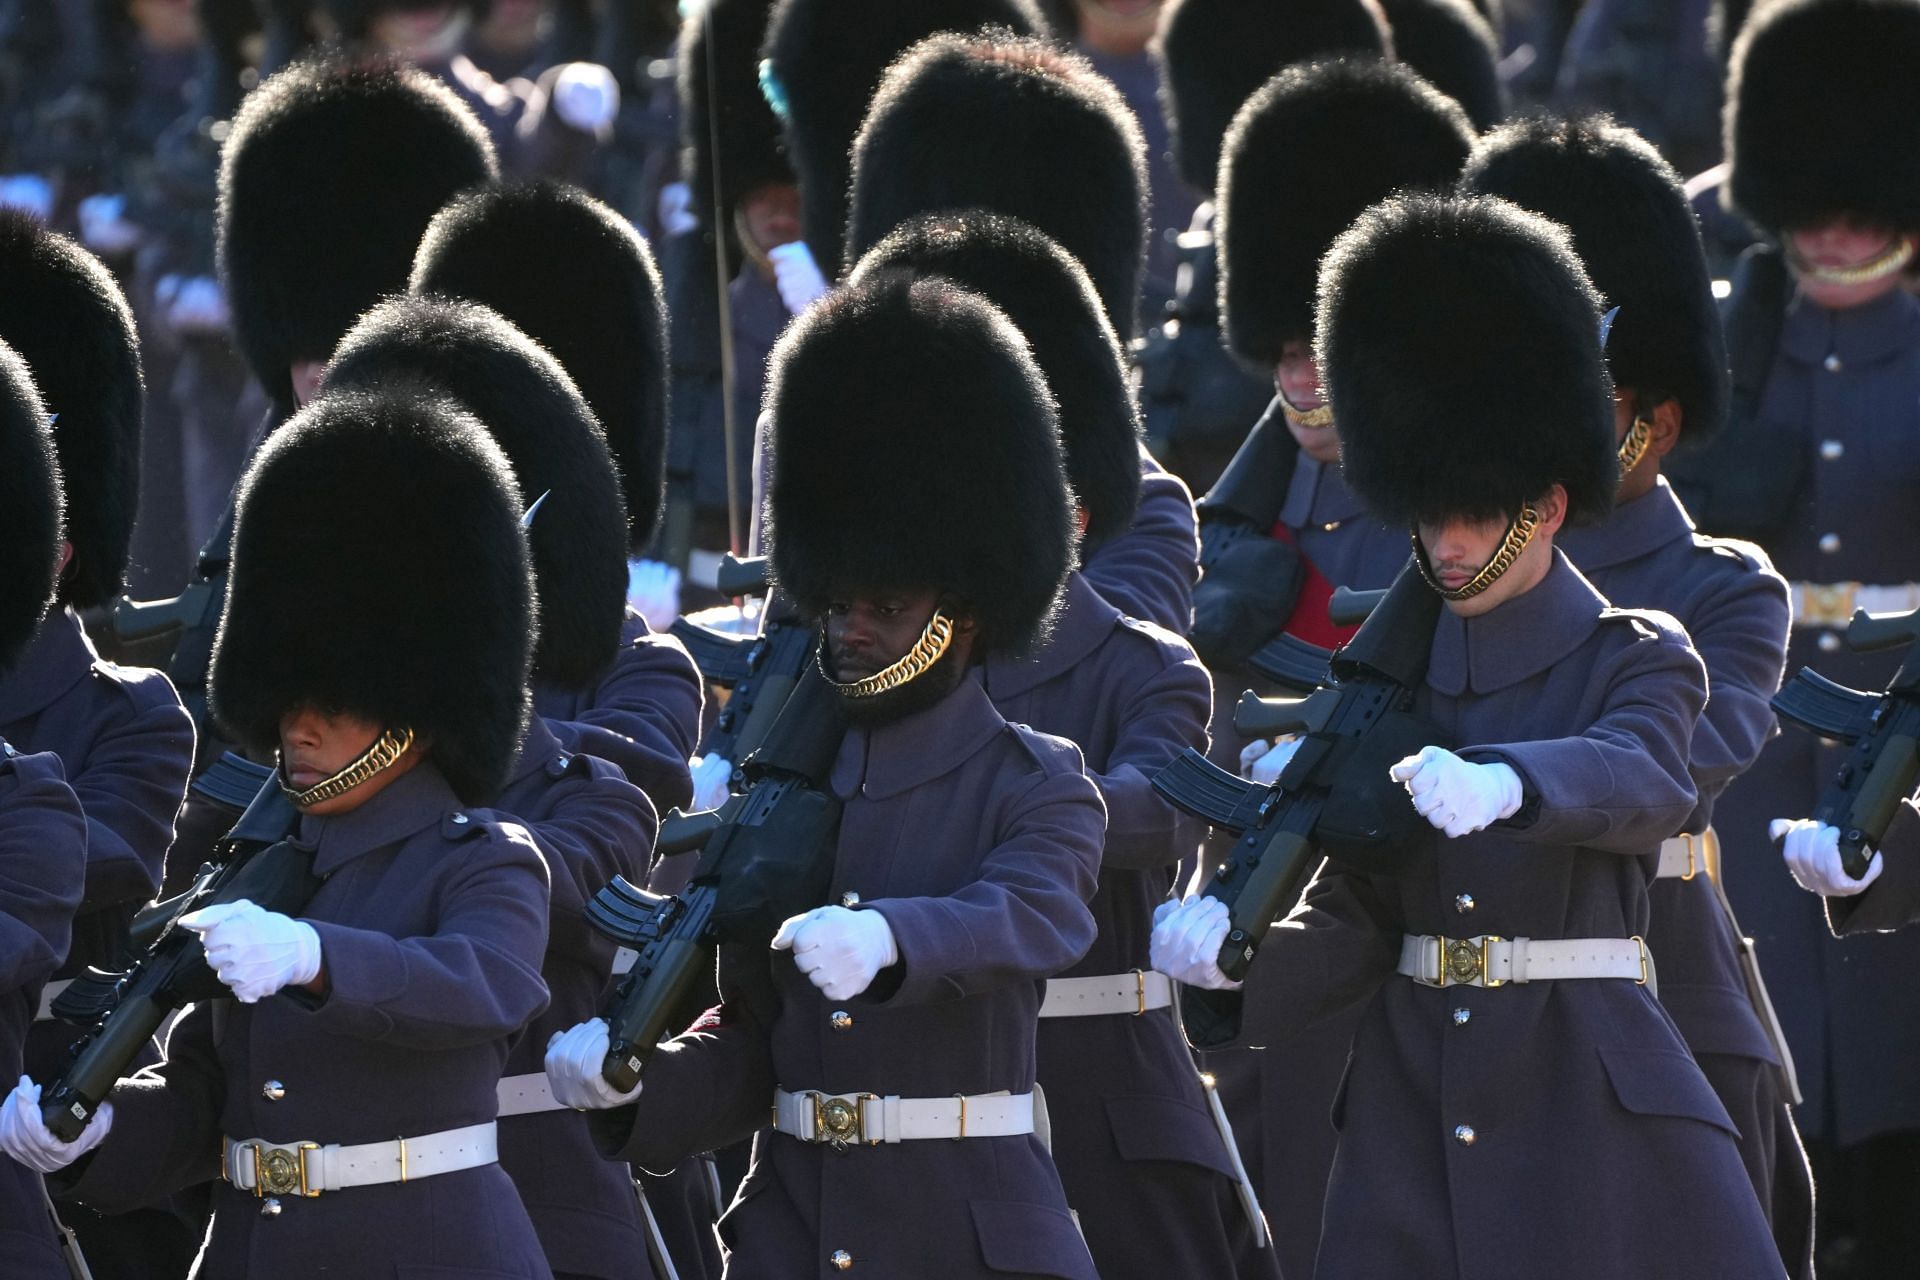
(1186, 942)
(710, 777)
(25, 1136)
(254, 951)
(1812, 851)
(840, 951)
(797, 275)
(1457, 796)
(1263, 762)
(574, 1059)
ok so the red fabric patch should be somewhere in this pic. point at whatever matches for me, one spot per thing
(1309, 620)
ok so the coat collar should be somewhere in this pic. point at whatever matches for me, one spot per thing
(1637, 529)
(883, 762)
(57, 658)
(1082, 626)
(1517, 640)
(418, 799)
(1318, 495)
(1859, 336)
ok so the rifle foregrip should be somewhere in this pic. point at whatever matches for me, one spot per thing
(1271, 888)
(71, 1101)
(643, 1012)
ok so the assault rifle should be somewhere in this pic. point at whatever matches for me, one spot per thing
(1334, 798)
(765, 855)
(124, 1010)
(1882, 730)
(760, 671)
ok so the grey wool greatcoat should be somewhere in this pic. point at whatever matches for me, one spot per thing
(591, 824)
(1547, 1128)
(43, 863)
(1141, 1159)
(126, 745)
(979, 841)
(1844, 387)
(432, 922)
(1735, 609)
(1149, 570)
(643, 715)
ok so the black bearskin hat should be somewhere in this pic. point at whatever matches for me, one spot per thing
(63, 313)
(1017, 126)
(1048, 296)
(1306, 155)
(1823, 114)
(1634, 230)
(329, 175)
(824, 59)
(1459, 342)
(577, 278)
(914, 445)
(379, 569)
(1215, 53)
(530, 405)
(1454, 47)
(29, 508)
(752, 153)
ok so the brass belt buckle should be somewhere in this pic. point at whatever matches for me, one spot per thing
(1693, 863)
(1827, 604)
(282, 1171)
(842, 1122)
(1464, 961)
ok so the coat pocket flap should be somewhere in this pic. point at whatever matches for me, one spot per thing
(1150, 1128)
(1031, 1239)
(1657, 1082)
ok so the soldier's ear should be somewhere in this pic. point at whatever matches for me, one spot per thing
(1668, 419)
(1551, 507)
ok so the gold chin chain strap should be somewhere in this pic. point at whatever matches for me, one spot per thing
(378, 758)
(1306, 419)
(1634, 447)
(1894, 257)
(1519, 534)
(926, 651)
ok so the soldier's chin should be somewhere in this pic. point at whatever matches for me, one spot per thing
(925, 690)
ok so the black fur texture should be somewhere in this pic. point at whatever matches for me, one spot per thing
(1453, 46)
(30, 508)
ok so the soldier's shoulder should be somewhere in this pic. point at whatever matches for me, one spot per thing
(1736, 552)
(1643, 626)
(1045, 754)
(1167, 648)
(143, 689)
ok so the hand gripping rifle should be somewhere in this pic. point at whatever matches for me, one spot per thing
(1334, 798)
(765, 855)
(1882, 730)
(123, 1010)
(760, 671)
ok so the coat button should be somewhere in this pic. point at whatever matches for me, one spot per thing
(1830, 543)
(849, 900)
(1464, 1135)
(1463, 903)
(273, 1091)
(1832, 364)
(460, 819)
(1832, 450)
(1829, 642)
(840, 1019)
(1461, 1017)
(841, 1260)
(561, 762)
(270, 1207)
(1331, 525)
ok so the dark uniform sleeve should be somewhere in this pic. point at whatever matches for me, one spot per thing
(598, 826)
(475, 979)
(43, 851)
(645, 718)
(1026, 916)
(1892, 901)
(1150, 570)
(1165, 716)
(1622, 786)
(130, 788)
(1741, 635)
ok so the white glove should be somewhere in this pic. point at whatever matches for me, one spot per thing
(197, 307)
(675, 209)
(254, 951)
(25, 1136)
(1186, 942)
(840, 951)
(710, 774)
(574, 1059)
(104, 226)
(1812, 851)
(654, 589)
(1458, 796)
(799, 278)
(28, 192)
(1263, 762)
(587, 97)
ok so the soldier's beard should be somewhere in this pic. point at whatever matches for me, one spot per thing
(923, 691)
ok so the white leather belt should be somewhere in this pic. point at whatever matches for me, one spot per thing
(1487, 961)
(48, 994)
(867, 1119)
(1130, 993)
(1684, 857)
(308, 1168)
(526, 1095)
(1832, 604)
